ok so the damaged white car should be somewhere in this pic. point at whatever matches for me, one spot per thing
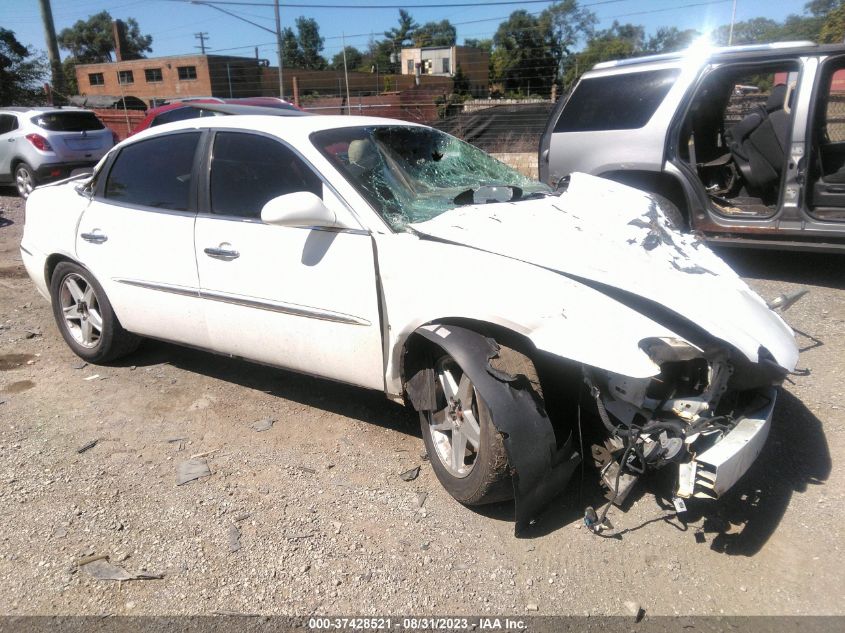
(392, 256)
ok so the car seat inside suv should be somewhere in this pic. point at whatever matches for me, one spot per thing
(758, 145)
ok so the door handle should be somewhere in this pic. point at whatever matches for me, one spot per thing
(221, 253)
(94, 238)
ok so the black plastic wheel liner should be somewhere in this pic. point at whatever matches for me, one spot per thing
(540, 470)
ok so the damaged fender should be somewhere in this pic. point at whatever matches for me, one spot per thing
(539, 470)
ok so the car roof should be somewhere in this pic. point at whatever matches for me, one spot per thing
(286, 126)
(42, 109)
(729, 53)
(206, 103)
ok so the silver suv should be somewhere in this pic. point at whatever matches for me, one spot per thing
(40, 145)
(747, 142)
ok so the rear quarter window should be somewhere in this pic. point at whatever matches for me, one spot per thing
(68, 121)
(616, 102)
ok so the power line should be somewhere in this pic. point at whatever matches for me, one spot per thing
(302, 5)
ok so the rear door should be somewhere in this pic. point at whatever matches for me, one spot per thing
(607, 108)
(137, 237)
(301, 298)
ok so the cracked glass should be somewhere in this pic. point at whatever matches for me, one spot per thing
(412, 174)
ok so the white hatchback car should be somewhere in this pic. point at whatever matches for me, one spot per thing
(398, 258)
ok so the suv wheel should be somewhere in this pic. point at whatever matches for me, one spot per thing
(24, 180)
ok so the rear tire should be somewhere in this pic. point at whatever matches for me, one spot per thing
(85, 316)
(25, 180)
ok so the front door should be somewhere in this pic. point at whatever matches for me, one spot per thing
(301, 298)
(137, 238)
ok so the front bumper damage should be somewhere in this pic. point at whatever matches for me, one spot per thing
(715, 471)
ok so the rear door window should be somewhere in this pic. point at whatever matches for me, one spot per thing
(8, 123)
(68, 121)
(616, 102)
(155, 173)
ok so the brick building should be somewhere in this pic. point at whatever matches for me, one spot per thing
(159, 78)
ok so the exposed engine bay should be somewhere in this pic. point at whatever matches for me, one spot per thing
(707, 414)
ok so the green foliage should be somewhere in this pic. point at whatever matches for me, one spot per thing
(354, 59)
(21, 71)
(670, 39)
(69, 73)
(402, 34)
(460, 82)
(435, 34)
(833, 29)
(310, 43)
(620, 41)
(753, 31)
(291, 55)
(522, 60)
(564, 26)
(302, 49)
(92, 40)
(483, 44)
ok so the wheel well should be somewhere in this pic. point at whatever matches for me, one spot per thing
(50, 265)
(416, 348)
(657, 182)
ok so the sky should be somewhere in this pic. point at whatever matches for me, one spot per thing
(173, 23)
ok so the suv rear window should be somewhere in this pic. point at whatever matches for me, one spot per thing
(616, 102)
(68, 121)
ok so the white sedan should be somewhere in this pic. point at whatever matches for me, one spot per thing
(523, 324)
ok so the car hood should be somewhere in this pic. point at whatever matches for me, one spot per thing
(612, 236)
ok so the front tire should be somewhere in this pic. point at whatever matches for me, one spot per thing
(466, 451)
(24, 180)
(85, 316)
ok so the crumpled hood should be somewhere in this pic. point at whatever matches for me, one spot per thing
(615, 235)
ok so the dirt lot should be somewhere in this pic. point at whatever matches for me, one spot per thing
(320, 519)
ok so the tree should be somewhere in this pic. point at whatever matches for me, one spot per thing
(21, 71)
(833, 29)
(669, 39)
(566, 25)
(302, 49)
(483, 44)
(354, 59)
(435, 34)
(386, 52)
(402, 34)
(92, 40)
(310, 43)
(521, 59)
(620, 41)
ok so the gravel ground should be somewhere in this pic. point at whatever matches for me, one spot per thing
(311, 516)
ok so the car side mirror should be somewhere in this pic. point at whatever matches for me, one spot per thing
(302, 208)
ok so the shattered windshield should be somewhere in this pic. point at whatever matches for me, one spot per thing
(412, 174)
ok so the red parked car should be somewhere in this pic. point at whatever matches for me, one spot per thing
(191, 108)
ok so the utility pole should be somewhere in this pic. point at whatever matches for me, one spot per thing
(279, 46)
(52, 47)
(201, 36)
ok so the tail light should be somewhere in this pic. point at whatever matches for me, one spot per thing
(114, 137)
(39, 142)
